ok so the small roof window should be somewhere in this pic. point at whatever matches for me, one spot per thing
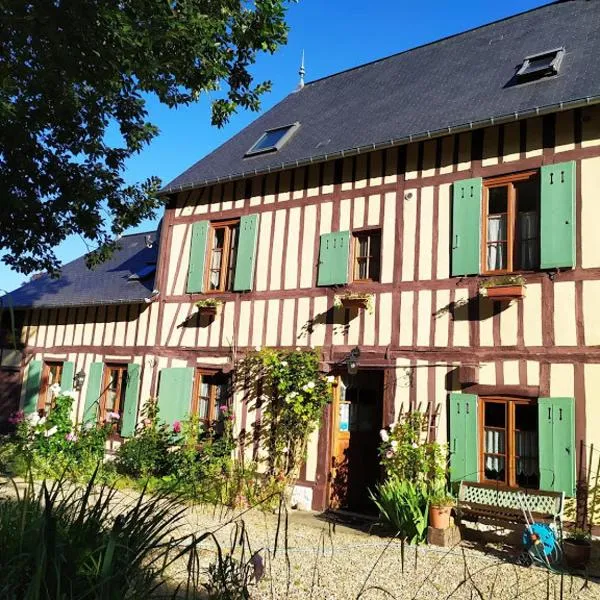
(544, 64)
(273, 139)
(143, 273)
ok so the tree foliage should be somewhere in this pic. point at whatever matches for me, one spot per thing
(72, 71)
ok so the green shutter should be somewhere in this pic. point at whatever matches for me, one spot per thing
(556, 441)
(246, 249)
(195, 281)
(175, 393)
(463, 437)
(32, 387)
(333, 258)
(92, 395)
(131, 400)
(66, 379)
(466, 226)
(557, 230)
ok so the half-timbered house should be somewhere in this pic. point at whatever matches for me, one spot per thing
(424, 179)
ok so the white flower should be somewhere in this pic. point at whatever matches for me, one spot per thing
(33, 419)
(415, 445)
(310, 385)
(330, 379)
(89, 425)
(297, 348)
(383, 434)
(51, 431)
(55, 389)
(257, 348)
(393, 424)
(305, 388)
(284, 363)
(70, 394)
(293, 394)
(42, 421)
(394, 445)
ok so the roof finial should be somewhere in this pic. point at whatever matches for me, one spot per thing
(301, 72)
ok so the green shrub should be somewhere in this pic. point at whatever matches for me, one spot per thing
(72, 542)
(407, 454)
(403, 508)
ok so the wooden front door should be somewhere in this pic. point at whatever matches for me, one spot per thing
(358, 417)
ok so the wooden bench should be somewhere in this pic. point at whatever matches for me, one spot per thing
(502, 507)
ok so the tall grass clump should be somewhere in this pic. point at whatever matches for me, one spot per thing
(72, 542)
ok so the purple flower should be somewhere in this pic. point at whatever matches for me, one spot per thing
(176, 427)
(71, 437)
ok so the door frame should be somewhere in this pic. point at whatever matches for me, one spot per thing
(387, 416)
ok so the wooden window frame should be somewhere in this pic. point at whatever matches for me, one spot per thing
(45, 385)
(356, 234)
(510, 443)
(200, 374)
(225, 264)
(503, 181)
(123, 367)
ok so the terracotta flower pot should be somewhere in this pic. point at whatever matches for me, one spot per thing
(439, 516)
(577, 553)
(506, 292)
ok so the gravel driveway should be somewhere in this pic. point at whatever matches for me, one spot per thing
(338, 562)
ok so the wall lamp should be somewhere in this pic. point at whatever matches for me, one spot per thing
(78, 380)
(352, 361)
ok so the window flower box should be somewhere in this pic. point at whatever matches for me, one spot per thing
(504, 289)
(355, 301)
(209, 308)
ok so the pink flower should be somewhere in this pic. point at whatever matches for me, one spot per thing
(389, 454)
(71, 437)
(176, 427)
(232, 417)
(17, 418)
(223, 407)
(147, 422)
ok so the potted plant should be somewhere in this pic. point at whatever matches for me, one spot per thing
(359, 301)
(577, 548)
(503, 287)
(209, 307)
(440, 507)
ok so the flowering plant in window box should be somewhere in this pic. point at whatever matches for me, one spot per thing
(359, 301)
(504, 287)
(211, 307)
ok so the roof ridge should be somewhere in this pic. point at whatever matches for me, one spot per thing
(425, 45)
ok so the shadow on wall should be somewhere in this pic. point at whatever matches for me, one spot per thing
(476, 308)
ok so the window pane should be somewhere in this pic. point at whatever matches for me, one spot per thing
(495, 414)
(270, 139)
(496, 249)
(232, 257)
(362, 246)
(361, 268)
(375, 252)
(526, 445)
(527, 245)
(495, 468)
(498, 200)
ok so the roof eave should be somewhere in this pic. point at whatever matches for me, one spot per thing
(427, 135)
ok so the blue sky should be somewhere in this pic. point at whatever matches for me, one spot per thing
(335, 35)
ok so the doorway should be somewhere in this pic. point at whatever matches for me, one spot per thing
(357, 420)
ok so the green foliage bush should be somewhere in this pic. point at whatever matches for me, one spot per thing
(406, 452)
(68, 542)
(403, 508)
(52, 446)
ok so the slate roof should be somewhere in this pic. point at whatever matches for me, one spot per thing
(458, 82)
(106, 284)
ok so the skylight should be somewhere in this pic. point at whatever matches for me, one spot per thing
(544, 64)
(143, 273)
(273, 139)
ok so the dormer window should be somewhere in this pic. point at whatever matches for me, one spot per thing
(544, 64)
(273, 139)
